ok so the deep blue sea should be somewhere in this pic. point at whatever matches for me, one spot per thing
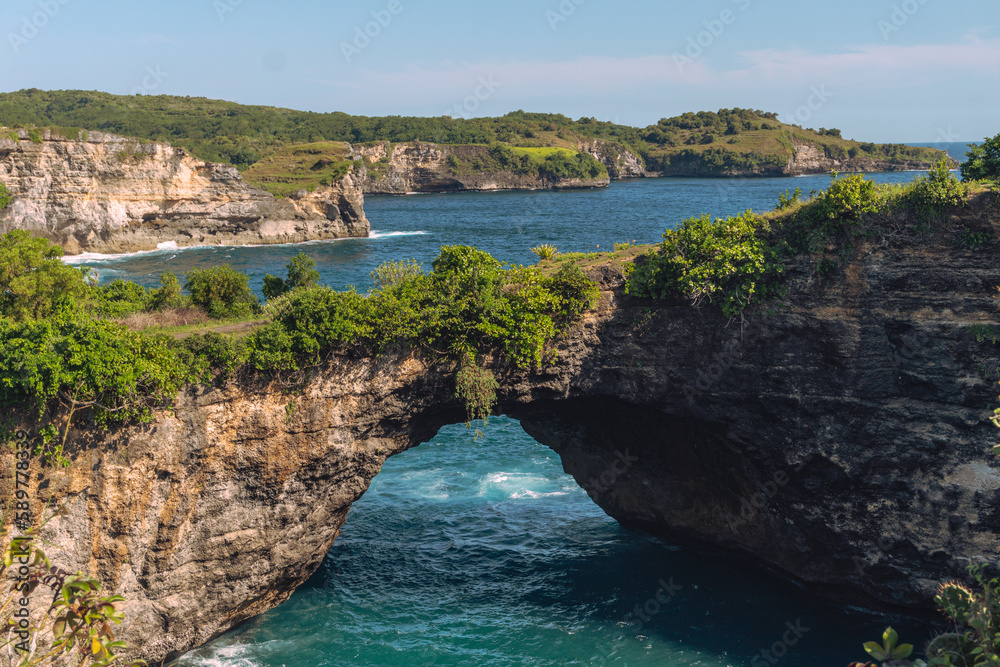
(468, 552)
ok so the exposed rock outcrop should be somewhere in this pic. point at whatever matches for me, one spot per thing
(621, 162)
(105, 193)
(421, 167)
(843, 439)
(810, 159)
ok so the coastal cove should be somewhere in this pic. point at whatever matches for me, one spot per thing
(506, 224)
(502, 508)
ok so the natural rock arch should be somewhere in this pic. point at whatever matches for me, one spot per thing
(851, 423)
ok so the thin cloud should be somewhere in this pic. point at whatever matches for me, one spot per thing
(773, 68)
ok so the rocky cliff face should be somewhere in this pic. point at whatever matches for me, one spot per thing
(809, 159)
(104, 193)
(621, 163)
(420, 167)
(843, 439)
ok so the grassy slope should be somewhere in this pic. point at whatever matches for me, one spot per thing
(300, 167)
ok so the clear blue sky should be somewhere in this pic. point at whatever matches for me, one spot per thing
(880, 70)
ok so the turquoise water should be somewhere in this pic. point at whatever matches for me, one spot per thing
(486, 553)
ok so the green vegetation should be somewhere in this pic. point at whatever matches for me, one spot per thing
(34, 283)
(64, 350)
(301, 167)
(79, 620)
(737, 261)
(757, 143)
(974, 637)
(392, 273)
(302, 273)
(555, 163)
(545, 251)
(244, 135)
(704, 259)
(5, 197)
(222, 291)
(890, 649)
(983, 161)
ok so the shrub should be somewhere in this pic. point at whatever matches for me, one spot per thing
(168, 295)
(86, 362)
(787, 200)
(477, 388)
(120, 298)
(706, 259)
(847, 198)
(311, 320)
(222, 291)
(79, 620)
(574, 290)
(983, 161)
(301, 273)
(938, 190)
(545, 251)
(34, 282)
(5, 197)
(392, 273)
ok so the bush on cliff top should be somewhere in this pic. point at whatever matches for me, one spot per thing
(736, 261)
(983, 161)
(724, 260)
(68, 358)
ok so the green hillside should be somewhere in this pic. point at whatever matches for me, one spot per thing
(704, 142)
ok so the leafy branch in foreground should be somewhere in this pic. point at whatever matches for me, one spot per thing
(78, 623)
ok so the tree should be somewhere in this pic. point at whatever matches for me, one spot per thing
(301, 273)
(983, 162)
(222, 291)
(168, 295)
(34, 282)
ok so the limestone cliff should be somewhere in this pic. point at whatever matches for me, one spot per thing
(810, 159)
(422, 167)
(104, 193)
(621, 162)
(842, 439)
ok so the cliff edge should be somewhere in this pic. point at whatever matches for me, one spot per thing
(104, 193)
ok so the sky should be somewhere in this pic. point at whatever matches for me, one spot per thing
(879, 70)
